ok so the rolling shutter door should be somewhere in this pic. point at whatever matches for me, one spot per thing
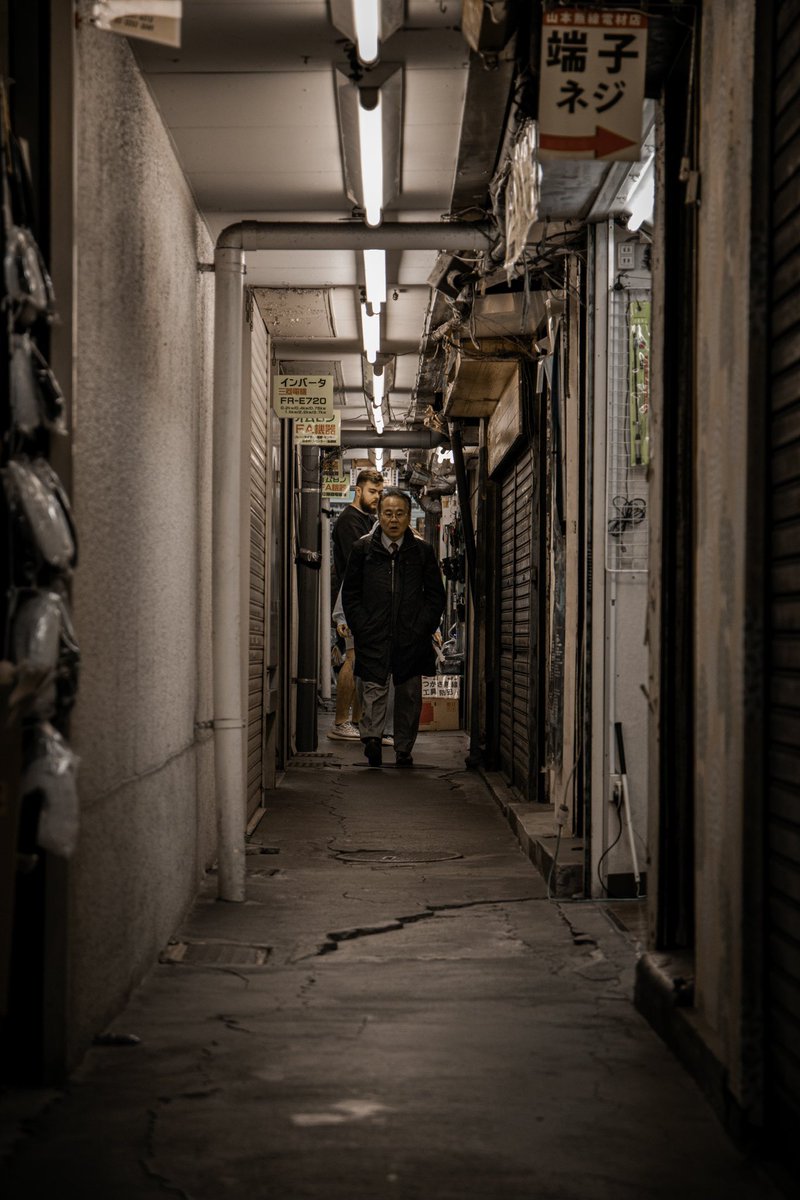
(258, 544)
(783, 700)
(517, 617)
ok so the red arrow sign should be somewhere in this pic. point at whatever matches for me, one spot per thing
(602, 142)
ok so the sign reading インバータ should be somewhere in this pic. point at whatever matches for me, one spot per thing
(591, 86)
(307, 397)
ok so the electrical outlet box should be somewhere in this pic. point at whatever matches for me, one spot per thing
(626, 256)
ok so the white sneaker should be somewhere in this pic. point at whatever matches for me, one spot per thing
(345, 732)
(387, 739)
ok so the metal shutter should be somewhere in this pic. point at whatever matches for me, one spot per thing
(258, 555)
(517, 587)
(783, 555)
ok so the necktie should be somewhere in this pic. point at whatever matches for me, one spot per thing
(393, 549)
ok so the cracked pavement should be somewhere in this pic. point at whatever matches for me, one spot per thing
(432, 1029)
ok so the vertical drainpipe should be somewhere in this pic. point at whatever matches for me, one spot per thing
(324, 605)
(308, 567)
(227, 623)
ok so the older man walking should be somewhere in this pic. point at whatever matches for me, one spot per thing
(393, 599)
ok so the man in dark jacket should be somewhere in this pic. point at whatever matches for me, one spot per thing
(352, 523)
(393, 599)
(356, 519)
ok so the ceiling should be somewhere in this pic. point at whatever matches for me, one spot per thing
(249, 101)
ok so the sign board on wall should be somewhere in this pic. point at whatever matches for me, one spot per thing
(441, 685)
(323, 432)
(307, 397)
(505, 424)
(591, 88)
(152, 20)
(336, 487)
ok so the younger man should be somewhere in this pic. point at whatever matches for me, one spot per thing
(353, 522)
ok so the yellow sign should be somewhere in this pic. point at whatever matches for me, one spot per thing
(308, 397)
(591, 83)
(335, 485)
(323, 432)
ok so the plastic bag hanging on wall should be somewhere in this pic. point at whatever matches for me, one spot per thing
(51, 774)
(639, 377)
(522, 194)
(35, 494)
(151, 20)
(36, 398)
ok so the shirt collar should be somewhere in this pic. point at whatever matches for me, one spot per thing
(387, 541)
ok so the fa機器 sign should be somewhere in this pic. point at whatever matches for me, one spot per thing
(321, 431)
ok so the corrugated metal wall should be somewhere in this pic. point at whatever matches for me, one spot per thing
(517, 618)
(258, 559)
(783, 716)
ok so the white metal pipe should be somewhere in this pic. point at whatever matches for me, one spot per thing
(324, 606)
(228, 634)
(336, 235)
(611, 718)
(626, 800)
(229, 637)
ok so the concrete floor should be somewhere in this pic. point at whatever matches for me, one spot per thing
(364, 1028)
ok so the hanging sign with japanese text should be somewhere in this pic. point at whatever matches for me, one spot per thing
(335, 486)
(323, 431)
(307, 397)
(153, 20)
(591, 88)
(441, 686)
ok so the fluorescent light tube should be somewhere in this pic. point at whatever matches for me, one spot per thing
(378, 384)
(379, 459)
(378, 418)
(370, 142)
(641, 197)
(371, 333)
(375, 278)
(366, 14)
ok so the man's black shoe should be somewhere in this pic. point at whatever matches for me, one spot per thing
(372, 749)
(404, 759)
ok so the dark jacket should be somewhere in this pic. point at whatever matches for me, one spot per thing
(393, 609)
(351, 524)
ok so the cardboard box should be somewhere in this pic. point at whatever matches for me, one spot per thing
(439, 713)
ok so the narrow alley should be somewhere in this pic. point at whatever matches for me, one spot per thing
(400, 599)
(396, 1011)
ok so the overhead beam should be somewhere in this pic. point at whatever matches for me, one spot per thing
(336, 235)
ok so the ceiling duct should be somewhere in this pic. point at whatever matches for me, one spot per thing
(394, 439)
(336, 235)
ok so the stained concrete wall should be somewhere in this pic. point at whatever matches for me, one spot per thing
(723, 339)
(142, 471)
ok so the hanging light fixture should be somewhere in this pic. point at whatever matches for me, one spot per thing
(368, 29)
(370, 149)
(367, 23)
(370, 131)
(378, 385)
(370, 333)
(375, 278)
